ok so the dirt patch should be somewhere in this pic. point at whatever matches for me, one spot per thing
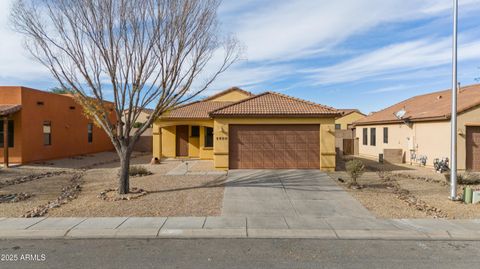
(55, 194)
(67, 194)
(413, 193)
(379, 198)
(42, 191)
(167, 195)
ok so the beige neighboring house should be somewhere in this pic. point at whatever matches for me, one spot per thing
(344, 133)
(348, 117)
(420, 126)
(144, 144)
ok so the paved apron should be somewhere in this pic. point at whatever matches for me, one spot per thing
(288, 193)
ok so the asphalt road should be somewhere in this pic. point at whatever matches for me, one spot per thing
(239, 253)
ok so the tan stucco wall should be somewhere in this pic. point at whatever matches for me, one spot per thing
(348, 119)
(233, 96)
(164, 139)
(142, 117)
(168, 141)
(431, 139)
(397, 139)
(327, 138)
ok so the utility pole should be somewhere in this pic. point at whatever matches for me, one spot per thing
(453, 118)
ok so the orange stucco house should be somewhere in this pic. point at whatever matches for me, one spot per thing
(43, 126)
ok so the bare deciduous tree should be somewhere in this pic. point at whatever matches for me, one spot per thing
(140, 53)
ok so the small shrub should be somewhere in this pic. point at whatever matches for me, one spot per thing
(139, 171)
(355, 169)
(138, 124)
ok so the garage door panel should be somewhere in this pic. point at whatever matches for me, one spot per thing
(279, 158)
(269, 159)
(274, 146)
(301, 139)
(473, 148)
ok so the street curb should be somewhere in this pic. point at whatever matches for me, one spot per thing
(237, 234)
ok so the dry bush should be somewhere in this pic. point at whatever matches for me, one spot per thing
(355, 169)
(139, 171)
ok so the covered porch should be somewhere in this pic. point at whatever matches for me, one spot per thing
(8, 119)
(183, 139)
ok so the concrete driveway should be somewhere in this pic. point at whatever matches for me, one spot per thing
(288, 193)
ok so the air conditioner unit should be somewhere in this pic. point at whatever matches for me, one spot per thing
(476, 197)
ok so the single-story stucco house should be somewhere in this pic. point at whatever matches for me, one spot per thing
(420, 126)
(237, 129)
(144, 143)
(344, 131)
(347, 117)
(37, 126)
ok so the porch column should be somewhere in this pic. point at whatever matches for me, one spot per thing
(5, 141)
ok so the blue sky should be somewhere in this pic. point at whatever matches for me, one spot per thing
(365, 54)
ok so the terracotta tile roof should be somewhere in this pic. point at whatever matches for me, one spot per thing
(432, 106)
(195, 110)
(6, 109)
(201, 109)
(274, 104)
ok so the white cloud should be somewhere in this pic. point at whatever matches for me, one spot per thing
(397, 58)
(284, 30)
(15, 62)
(278, 30)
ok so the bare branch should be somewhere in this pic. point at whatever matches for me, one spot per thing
(136, 53)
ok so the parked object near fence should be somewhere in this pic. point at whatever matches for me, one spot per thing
(393, 155)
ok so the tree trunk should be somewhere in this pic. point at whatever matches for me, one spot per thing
(124, 179)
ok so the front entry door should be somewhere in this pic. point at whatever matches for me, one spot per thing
(182, 141)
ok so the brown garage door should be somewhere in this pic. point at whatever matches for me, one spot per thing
(473, 148)
(274, 146)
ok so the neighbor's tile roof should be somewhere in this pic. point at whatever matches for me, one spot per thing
(432, 106)
(7, 109)
(274, 104)
(195, 110)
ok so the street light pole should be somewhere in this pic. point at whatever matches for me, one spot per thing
(453, 118)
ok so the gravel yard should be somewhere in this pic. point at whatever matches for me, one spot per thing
(166, 195)
(382, 200)
(42, 190)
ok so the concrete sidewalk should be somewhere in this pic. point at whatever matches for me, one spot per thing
(240, 227)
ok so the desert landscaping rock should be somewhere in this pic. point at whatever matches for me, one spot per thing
(410, 192)
(28, 178)
(68, 194)
(113, 195)
(14, 197)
